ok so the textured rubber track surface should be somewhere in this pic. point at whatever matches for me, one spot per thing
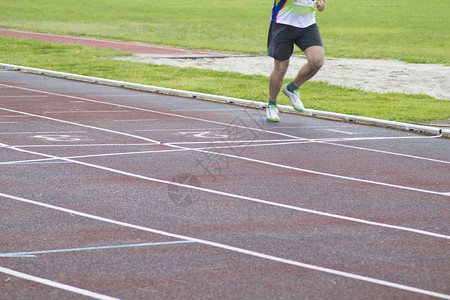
(137, 48)
(137, 195)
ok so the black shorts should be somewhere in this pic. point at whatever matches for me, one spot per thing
(281, 39)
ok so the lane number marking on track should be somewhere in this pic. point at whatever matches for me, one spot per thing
(205, 134)
(58, 138)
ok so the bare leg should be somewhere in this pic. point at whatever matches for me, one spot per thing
(276, 78)
(315, 56)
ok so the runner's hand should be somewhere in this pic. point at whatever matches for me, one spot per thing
(320, 5)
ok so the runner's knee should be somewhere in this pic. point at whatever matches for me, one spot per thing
(281, 66)
(316, 63)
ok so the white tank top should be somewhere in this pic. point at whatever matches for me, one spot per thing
(297, 13)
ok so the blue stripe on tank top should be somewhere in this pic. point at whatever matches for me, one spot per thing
(276, 9)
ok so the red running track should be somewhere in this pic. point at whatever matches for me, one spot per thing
(107, 192)
(137, 48)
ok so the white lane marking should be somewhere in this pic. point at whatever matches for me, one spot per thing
(273, 142)
(327, 141)
(81, 125)
(57, 137)
(213, 122)
(326, 174)
(84, 111)
(234, 156)
(389, 152)
(209, 109)
(55, 284)
(340, 131)
(45, 160)
(205, 134)
(25, 96)
(85, 145)
(234, 249)
(177, 129)
(39, 132)
(153, 111)
(236, 196)
(35, 253)
(137, 120)
(13, 116)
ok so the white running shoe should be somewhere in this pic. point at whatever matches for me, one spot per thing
(295, 99)
(272, 113)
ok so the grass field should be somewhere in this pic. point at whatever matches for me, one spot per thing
(408, 30)
(411, 31)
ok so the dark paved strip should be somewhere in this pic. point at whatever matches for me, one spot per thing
(137, 48)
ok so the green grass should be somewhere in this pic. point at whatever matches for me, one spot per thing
(316, 95)
(408, 30)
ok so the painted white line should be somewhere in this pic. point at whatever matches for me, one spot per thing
(235, 249)
(37, 162)
(180, 149)
(84, 111)
(317, 127)
(327, 174)
(25, 96)
(81, 125)
(55, 284)
(8, 122)
(247, 143)
(57, 160)
(390, 153)
(207, 121)
(39, 132)
(138, 120)
(13, 116)
(189, 94)
(236, 157)
(85, 145)
(236, 196)
(154, 111)
(340, 131)
(35, 253)
(209, 109)
(177, 129)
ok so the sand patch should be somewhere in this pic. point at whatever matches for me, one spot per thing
(381, 76)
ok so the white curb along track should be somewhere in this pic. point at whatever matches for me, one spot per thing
(391, 124)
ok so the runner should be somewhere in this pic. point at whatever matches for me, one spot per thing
(293, 22)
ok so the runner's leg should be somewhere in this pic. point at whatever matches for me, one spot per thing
(315, 56)
(276, 78)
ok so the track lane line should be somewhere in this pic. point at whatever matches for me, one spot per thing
(235, 196)
(235, 249)
(234, 156)
(214, 122)
(152, 111)
(35, 253)
(55, 284)
(252, 143)
(81, 125)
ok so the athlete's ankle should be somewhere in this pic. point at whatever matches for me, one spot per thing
(292, 87)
